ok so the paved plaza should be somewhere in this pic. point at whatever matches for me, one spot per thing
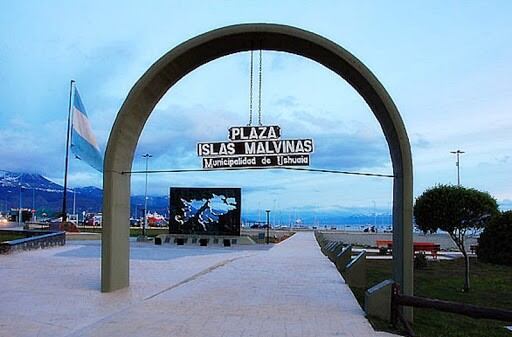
(289, 289)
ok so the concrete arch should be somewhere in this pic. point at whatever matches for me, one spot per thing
(180, 61)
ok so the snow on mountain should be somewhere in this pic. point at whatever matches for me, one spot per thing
(42, 194)
(89, 190)
(28, 181)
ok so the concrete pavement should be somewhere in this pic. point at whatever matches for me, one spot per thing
(290, 289)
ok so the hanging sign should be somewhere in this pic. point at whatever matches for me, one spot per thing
(255, 146)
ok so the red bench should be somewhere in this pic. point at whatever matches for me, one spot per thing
(427, 247)
(383, 243)
(431, 247)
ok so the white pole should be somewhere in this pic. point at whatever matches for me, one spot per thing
(20, 220)
(147, 156)
(33, 204)
(274, 214)
(457, 163)
(145, 200)
(74, 202)
(374, 213)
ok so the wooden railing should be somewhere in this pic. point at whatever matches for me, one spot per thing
(398, 300)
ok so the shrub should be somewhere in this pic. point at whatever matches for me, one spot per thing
(420, 261)
(495, 242)
(455, 210)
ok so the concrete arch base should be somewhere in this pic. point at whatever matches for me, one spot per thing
(186, 57)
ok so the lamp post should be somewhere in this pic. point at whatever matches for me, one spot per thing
(274, 209)
(374, 214)
(268, 225)
(458, 153)
(33, 204)
(74, 203)
(20, 212)
(145, 223)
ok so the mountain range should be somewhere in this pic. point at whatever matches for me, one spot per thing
(45, 196)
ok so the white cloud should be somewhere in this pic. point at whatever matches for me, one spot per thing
(457, 98)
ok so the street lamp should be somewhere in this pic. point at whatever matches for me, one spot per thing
(268, 225)
(145, 223)
(20, 212)
(458, 153)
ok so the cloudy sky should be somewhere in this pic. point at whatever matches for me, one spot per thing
(446, 65)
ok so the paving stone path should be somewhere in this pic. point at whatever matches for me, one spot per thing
(288, 290)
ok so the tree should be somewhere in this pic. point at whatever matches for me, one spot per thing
(495, 242)
(455, 210)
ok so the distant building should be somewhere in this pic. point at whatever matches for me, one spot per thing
(26, 214)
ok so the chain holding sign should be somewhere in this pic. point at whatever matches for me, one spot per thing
(255, 146)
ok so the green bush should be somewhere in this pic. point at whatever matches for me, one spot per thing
(383, 251)
(455, 210)
(495, 242)
(420, 261)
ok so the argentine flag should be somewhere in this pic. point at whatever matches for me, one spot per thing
(83, 143)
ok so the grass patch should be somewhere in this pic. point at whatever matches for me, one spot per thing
(90, 229)
(10, 237)
(272, 239)
(491, 286)
(151, 232)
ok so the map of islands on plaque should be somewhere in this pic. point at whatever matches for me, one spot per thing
(198, 210)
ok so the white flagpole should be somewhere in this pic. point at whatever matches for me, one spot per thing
(64, 206)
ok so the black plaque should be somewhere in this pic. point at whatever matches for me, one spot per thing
(198, 210)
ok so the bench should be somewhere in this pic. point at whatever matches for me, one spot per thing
(383, 243)
(431, 247)
(427, 247)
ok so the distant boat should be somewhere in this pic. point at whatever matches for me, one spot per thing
(299, 223)
(369, 229)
